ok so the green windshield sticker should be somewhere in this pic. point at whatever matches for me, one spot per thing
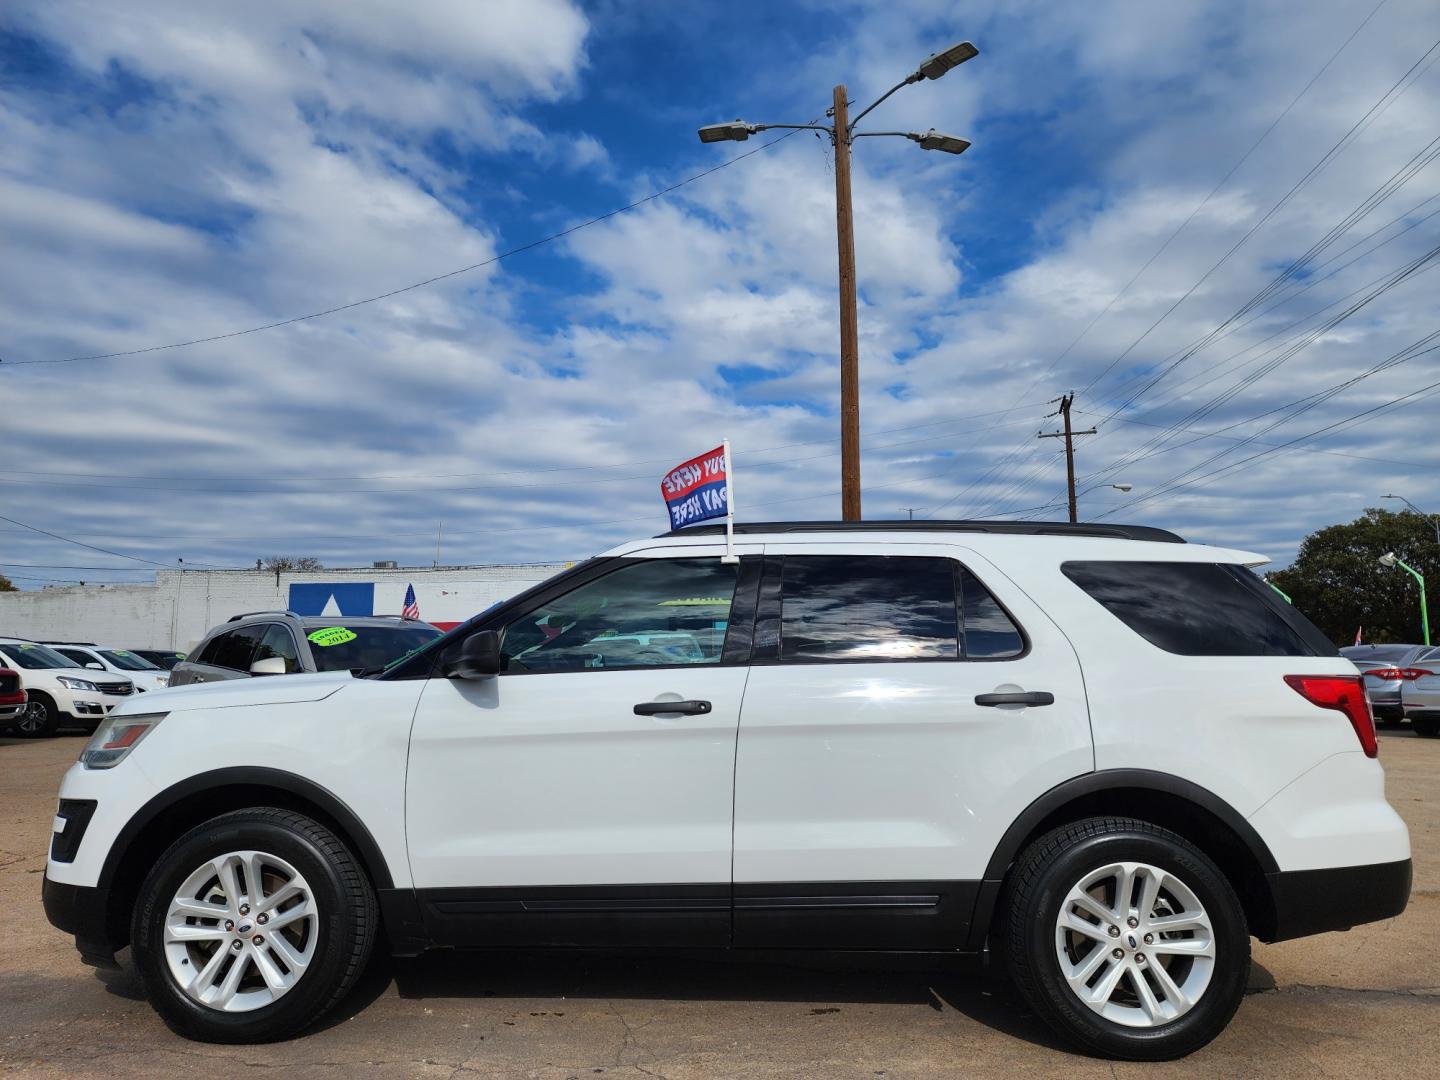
(332, 635)
(118, 652)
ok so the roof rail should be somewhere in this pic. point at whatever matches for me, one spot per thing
(248, 614)
(89, 643)
(1014, 528)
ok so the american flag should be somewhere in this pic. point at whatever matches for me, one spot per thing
(411, 610)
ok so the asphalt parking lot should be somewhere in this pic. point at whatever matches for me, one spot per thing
(1365, 1002)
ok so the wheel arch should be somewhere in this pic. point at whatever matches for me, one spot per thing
(1186, 808)
(177, 809)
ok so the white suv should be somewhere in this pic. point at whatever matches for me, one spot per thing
(62, 693)
(1101, 755)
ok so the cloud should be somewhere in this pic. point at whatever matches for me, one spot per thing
(179, 171)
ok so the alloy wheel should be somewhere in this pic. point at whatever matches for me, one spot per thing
(241, 931)
(34, 719)
(1135, 944)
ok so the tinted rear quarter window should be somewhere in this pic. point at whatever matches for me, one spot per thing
(1199, 609)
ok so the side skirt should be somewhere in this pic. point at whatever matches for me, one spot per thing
(873, 916)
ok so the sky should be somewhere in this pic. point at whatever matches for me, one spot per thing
(1210, 222)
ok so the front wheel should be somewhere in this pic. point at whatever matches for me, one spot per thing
(39, 718)
(1126, 939)
(252, 926)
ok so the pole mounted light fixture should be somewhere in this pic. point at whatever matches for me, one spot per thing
(937, 64)
(842, 136)
(1390, 560)
(1433, 520)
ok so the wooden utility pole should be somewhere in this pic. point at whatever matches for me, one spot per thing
(849, 323)
(1069, 436)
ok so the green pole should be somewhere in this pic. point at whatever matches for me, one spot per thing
(1424, 611)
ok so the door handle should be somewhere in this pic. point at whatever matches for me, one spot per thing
(659, 708)
(1030, 697)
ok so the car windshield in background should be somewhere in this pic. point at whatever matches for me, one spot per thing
(338, 647)
(127, 661)
(36, 656)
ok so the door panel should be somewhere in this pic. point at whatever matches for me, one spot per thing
(540, 798)
(871, 773)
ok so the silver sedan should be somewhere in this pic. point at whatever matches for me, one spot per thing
(1420, 693)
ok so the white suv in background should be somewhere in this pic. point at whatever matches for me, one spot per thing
(1098, 754)
(145, 675)
(62, 693)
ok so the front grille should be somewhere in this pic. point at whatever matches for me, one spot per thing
(118, 688)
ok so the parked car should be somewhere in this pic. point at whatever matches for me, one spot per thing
(1420, 693)
(12, 700)
(1384, 668)
(164, 659)
(145, 675)
(60, 693)
(1101, 754)
(283, 643)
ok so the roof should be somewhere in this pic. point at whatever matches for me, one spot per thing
(926, 525)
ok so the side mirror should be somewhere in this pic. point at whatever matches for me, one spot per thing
(270, 665)
(95, 665)
(479, 656)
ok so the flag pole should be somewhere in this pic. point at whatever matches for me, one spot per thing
(729, 556)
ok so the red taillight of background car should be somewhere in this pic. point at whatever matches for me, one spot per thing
(1343, 693)
(1386, 674)
(1410, 674)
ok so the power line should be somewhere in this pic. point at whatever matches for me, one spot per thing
(1162, 248)
(418, 284)
(78, 543)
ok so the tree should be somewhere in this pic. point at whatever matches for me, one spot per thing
(6, 585)
(1337, 579)
(276, 563)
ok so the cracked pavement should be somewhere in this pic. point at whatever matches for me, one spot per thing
(1364, 1002)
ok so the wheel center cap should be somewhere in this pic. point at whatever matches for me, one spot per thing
(1131, 939)
(245, 928)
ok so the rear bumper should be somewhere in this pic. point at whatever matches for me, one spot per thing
(80, 911)
(1336, 898)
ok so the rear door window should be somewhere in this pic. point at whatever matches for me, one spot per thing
(868, 607)
(1199, 609)
(234, 648)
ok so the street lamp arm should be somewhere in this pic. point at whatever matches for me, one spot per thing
(794, 127)
(912, 78)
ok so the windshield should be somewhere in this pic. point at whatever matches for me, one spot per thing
(339, 647)
(127, 661)
(35, 656)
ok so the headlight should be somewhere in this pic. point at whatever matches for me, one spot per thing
(163, 680)
(115, 737)
(76, 684)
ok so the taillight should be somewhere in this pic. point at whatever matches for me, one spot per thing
(1344, 693)
(1389, 674)
(1410, 674)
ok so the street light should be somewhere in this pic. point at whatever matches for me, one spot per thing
(1390, 560)
(842, 136)
(1433, 520)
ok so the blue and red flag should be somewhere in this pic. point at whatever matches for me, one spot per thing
(698, 489)
(411, 610)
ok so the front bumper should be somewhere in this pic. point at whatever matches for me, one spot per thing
(1336, 898)
(81, 911)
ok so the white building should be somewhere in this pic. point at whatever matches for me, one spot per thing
(182, 605)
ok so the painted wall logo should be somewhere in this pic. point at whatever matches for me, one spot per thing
(330, 599)
(696, 490)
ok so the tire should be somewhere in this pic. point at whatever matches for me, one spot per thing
(1047, 879)
(40, 718)
(322, 953)
(1427, 727)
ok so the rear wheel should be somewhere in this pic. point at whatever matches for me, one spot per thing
(1126, 939)
(252, 926)
(1426, 726)
(39, 719)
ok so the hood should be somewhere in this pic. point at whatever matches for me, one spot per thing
(88, 674)
(228, 693)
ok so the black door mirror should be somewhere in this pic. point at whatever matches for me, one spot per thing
(479, 656)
